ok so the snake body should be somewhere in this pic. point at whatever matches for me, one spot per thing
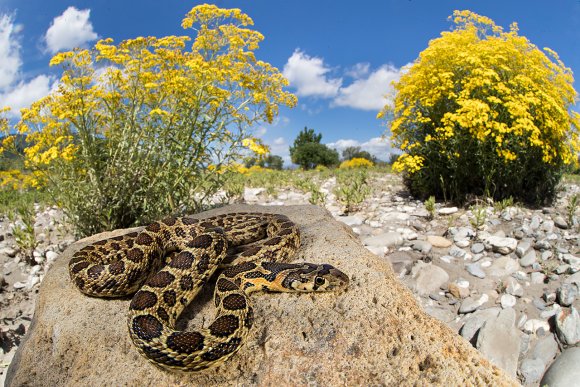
(166, 265)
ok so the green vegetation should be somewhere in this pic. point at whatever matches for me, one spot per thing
(309, 153)
(484, 112)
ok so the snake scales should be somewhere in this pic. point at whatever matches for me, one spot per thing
(166, 265)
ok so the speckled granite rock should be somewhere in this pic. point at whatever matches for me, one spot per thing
(374, 333)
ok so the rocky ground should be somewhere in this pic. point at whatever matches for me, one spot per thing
(504, 277)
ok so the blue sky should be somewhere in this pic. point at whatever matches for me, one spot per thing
(339, 56)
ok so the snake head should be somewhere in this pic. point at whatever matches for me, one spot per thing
(309, 277)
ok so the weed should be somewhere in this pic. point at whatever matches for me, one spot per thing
(430, 206)
(479, 216)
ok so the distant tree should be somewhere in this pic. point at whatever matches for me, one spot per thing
(354, 152)
(312, 154)
(350, 152)
(304, 137)
(308, 152)
(270, 161)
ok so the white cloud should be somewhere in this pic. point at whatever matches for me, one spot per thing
(24, 93)
(69, 30)
(9, 52)
(359, 70)
(370, 93)
(280, 147)
(379, 147)
(309, 76)
(279, 141)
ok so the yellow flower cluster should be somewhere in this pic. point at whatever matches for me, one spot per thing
(151, 94)
(356, 162)
(491, 86)
(256, 146)
(408, 163)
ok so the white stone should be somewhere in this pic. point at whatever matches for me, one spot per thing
(533, 325)
(502, 245)
(568, 326)
(507, 301)
(447, 210)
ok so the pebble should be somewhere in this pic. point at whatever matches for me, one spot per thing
(423, 247)
(568, 326)
(522, 248)
(528, 259)
(560, 222)
(428, 277)
(447, 210)
(388, 239)
(439, 241)
(502, 245)
(513, 287)
(543, 244)
(477, 248)
(457, 252)
(353, 220)
(537, 278)
(567, 294)
(534, 325)
(503, 266)
(470, 304)
(459, 288)
(507, 301)
(475, 321)
(51, 255)
(564, 371)
(475, 270)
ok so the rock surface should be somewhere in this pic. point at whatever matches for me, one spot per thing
(374, 333)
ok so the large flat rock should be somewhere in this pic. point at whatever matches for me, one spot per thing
(375, 333)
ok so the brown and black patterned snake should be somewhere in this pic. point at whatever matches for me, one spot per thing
(166, 265)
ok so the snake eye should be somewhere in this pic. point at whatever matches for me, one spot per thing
(319, 281)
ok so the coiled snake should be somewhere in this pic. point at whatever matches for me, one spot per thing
(183, 253)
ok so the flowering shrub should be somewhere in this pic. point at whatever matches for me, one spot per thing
(356, 162)
(484, 112)
(141, 129)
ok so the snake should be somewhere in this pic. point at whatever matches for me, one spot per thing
(164, 266)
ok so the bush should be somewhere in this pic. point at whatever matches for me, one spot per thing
(484, 112)
(150, 133)
(312, 154)
(356, 163)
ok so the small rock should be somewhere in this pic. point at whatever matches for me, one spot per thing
(470, 304)
(545, 255)
(457, 252)
(568, 326)
(534, 325)
(564, 371)
(546, 349)
(463, 243)
(567, 293)
(502, 245)
(528, 259)
(513, 287)
(51, 255)
(463, 233)
(532, 370)
(537, 278)
(439, 241)
(523, 247)
(560, 222)
(387, 239)
(422, 246)
(9, 251)
(499, 341)
(475, 321)
(475, 270)
(543, 244)
(503, 266)
(507, 301)
(18, 285)
(428, 277)
(352, 220)
(447, 210)
(477, 248)
(459, 288)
